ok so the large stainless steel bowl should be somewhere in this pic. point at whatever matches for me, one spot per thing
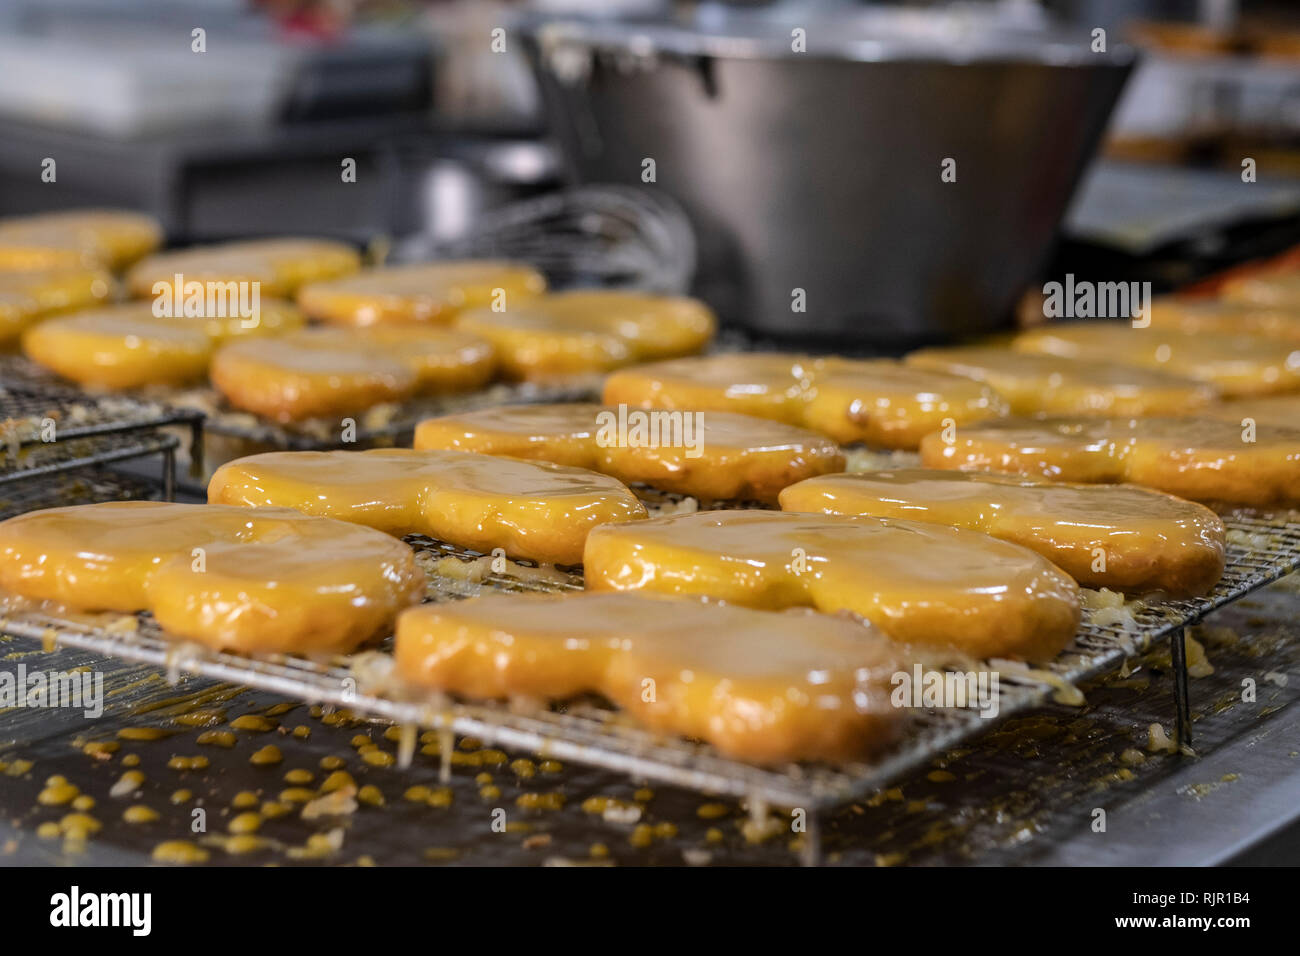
(820, 171)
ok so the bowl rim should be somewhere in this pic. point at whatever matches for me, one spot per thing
(759, 40)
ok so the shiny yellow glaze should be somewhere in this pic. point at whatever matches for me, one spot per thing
(127, 346)
(740, 457)
(1236, 364)
(179, 851)
(1149, 541)
(427, 293)
(759, 686)
(324, 372)
(274, 317)
(920, 583)
(877, 401)
(119, 347)
(1197, 458)
(1280, 410)
(1044, 384)
(1226, 318)
(564, 434)
(530, 509)
(272, 580)
(1279, 290)
(27, 296)
(763, 384)
(569, 333)
(106, 238)
(884, 403)
(280, 266)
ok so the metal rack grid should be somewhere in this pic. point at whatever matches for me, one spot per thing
(74, 454)
(1261, 549)
(79, 487)
(88, 429)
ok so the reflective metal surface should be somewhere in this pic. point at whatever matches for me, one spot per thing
(815, 180)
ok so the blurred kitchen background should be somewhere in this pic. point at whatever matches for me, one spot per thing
(776, 169)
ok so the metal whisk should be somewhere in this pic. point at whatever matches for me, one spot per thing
(602, 236)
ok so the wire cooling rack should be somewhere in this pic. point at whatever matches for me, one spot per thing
(80, 487)
(48, 426)
(1261, 549)
(30, 394)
